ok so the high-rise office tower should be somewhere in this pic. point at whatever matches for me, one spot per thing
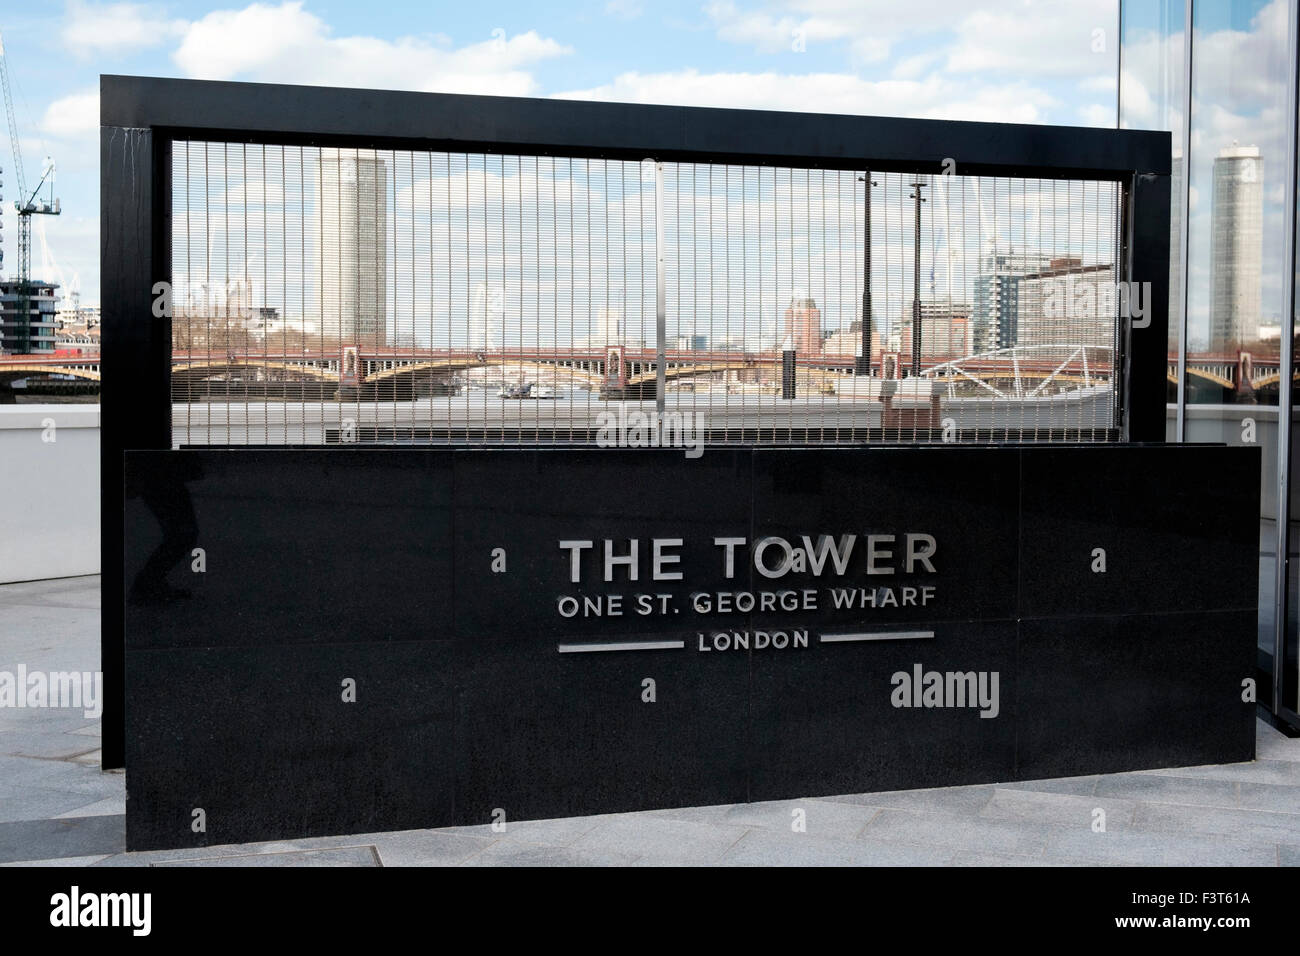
(352, 246)
(1237, 240)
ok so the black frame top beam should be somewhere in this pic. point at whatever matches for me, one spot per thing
(305, 114)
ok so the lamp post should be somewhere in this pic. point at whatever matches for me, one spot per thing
(864, 356)
(916, 281)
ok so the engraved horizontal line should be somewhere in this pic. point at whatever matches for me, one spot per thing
(622, 646)
(876, 636)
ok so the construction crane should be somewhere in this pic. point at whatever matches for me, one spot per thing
(27, 205)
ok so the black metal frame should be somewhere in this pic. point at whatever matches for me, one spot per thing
(140, 117)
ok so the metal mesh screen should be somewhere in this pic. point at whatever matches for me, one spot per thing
(337, 295)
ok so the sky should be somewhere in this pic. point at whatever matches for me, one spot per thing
(1032, 61)
(1039, 62)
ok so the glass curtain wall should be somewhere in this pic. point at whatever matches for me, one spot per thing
(1220, 76)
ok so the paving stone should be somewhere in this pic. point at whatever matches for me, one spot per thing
(48, 839)
(1058, 809)
(1081, 786)
(339, 856)
(774, 848)
(986, 858)
(71, 777)
(646, 835)
(821, 818)
(1286, 772)
(1288, 856)
(956, 799)
(1154, 788)
(1276, 746)
(54, 745)
(82, 590)
(65, 861)
(425, 847)
(106, 807)
(561, 832)
(36, 804)
(956, 832)
(515, 853)
(1134, 848)
(1252, 826)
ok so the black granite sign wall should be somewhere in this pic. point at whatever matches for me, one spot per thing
(350, 640)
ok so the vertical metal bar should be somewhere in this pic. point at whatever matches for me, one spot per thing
(661, 303)
(864, 357)
(916, 282)
(1183, 200)
(1147, 356)
(1282, 602)
(1119, 62)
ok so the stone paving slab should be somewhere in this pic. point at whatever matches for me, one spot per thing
(47, 839)
(337, 856)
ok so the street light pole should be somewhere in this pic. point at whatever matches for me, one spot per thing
(864, 356)
(916, 281)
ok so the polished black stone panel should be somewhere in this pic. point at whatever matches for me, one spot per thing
(964, 498)
(825, 721)
(1133, 692)
(262, 741)
(527, 502)
(337, 563)
(543, 734)
(1179, 525)
(300, 546)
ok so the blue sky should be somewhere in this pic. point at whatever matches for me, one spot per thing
(1050, 62)
(1037, 61)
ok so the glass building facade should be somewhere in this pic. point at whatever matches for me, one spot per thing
(1221, 76)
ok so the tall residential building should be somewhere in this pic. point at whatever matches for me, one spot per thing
(997, 296)
(1237, 240)
(33, 332)
(352, 245)
(803, 325)
(1068, 304)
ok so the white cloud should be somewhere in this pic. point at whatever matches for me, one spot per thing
(932, 97)
(1040, 39)
(768, 33)
(72, 115)
(1097, 114)
(1032, 38)
(109, 28)
(287, 44)
(627, 9)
